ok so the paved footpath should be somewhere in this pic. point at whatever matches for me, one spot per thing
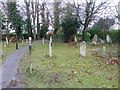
(9, 67)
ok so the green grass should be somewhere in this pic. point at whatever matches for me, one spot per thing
(9, 50)
(67, 70)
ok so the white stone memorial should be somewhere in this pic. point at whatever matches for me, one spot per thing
(108, 39)
(83, 49)
(50, 47)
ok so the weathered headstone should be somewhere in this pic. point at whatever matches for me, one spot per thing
(108, 39)
(43, 41)
(50, 47)
(83, 49)
(94, 39)
(7, 40)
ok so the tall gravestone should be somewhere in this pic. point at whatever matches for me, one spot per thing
(108, 39)
(95, 39)
(83, 49)
(50, 47)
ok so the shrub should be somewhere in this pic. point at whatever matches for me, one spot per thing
(115, 35)
(87, 36)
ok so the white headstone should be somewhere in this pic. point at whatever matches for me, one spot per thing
(83, 49)
(75, 38)
(108, 39)
(50, 47)
(94, 39)
(7, 41)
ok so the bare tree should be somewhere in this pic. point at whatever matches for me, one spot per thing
(29, 26)
(87, 11)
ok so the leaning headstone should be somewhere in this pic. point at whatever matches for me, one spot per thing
(50, 47)
(108, 39)
(75, 38)
(43, 41)
(95, 39)
(83, 49)
(7, 41)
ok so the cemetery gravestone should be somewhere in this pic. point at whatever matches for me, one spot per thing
(83, 49)
(94, 39)
(108, 39)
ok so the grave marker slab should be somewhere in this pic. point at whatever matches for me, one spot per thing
(83, 49)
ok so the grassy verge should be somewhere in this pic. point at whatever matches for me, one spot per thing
(9, 49)
(67, 70)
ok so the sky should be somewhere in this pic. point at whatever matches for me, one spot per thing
(112, 4)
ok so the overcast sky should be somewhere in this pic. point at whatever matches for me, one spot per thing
(107, 12)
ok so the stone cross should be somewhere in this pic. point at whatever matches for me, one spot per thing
(95, 39)
(7, 40)
(83, 49)
(50, 47)
(108, 39)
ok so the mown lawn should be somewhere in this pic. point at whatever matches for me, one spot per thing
(67, 70)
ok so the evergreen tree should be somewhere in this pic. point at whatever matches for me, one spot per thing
(15, 18)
